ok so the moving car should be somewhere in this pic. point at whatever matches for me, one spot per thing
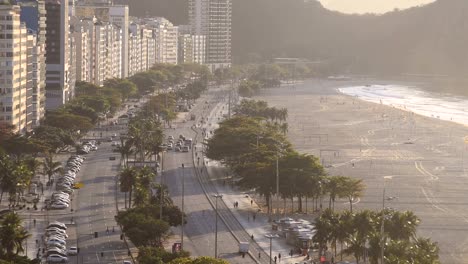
(72, 251)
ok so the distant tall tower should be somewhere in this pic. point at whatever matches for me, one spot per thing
(212, 18)
(57, 54)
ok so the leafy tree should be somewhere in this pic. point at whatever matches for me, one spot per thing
(143, 230)
(84, 110)
(154, 255)
(19, 146)
(86, 88)
(53, 138)
(68, 122)
(248, 88)
(353, 189)
(92, 105)
(6, 132)
(124, 86)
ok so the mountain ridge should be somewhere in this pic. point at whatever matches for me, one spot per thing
(428, 39)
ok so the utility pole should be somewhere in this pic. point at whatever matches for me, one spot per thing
(161, 186)
(216, 223)
(277, 187)
(183, 192)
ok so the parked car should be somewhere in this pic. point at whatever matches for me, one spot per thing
(55, 258)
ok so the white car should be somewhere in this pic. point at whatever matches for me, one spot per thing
(57, 224)
(53, 244)
(94, 148)
(55, 239)
(114, 143)
(52, 234)
(55, 258)
(72, 251)
(59, 205)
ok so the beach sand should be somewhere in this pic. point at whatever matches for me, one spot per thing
(425, 157)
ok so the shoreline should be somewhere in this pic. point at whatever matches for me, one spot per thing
(425, 155)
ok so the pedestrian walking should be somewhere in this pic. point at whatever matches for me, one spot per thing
(291, 253)
(34, 221)
(252, 237)
(251, 202)
(107, 230)
(259, 255)
(276, 258)
(254, 216)
(279, 257)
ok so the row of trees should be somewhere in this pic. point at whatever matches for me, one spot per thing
(151, 211)
(360, 235)
(253, 144)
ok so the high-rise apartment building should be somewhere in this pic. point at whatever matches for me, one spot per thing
(185, 52)
(166, 36)
(212, 18)
(114, 14)
(13, 68)
(197, 43)
(58, 77)
(33, 14)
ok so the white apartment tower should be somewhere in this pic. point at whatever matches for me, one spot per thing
(33, 14)
(13, 68)
(166, 36)
(114, 14)
(212, 18)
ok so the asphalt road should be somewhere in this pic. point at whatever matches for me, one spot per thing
(200, 227)
(95, 208)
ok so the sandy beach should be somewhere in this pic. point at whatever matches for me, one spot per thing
(425, 157)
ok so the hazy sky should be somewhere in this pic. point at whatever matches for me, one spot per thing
(370, 6)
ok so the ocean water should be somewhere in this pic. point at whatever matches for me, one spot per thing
(441, 106)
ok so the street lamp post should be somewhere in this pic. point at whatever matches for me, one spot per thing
(216, 223)
(271, 236)
(161, 187)
(277, 188)
(382, 227)
(183, 192)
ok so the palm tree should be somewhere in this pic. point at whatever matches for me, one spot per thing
(33, 165)
(125, 150)
(344, 229)
(51, 167)
(424, 251)
(335, 187)
(166, 199)
(127, 179)
(403, 225)
(322, 233)
(355, 247)
(12, 235)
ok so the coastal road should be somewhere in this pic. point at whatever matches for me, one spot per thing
(200, 227)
